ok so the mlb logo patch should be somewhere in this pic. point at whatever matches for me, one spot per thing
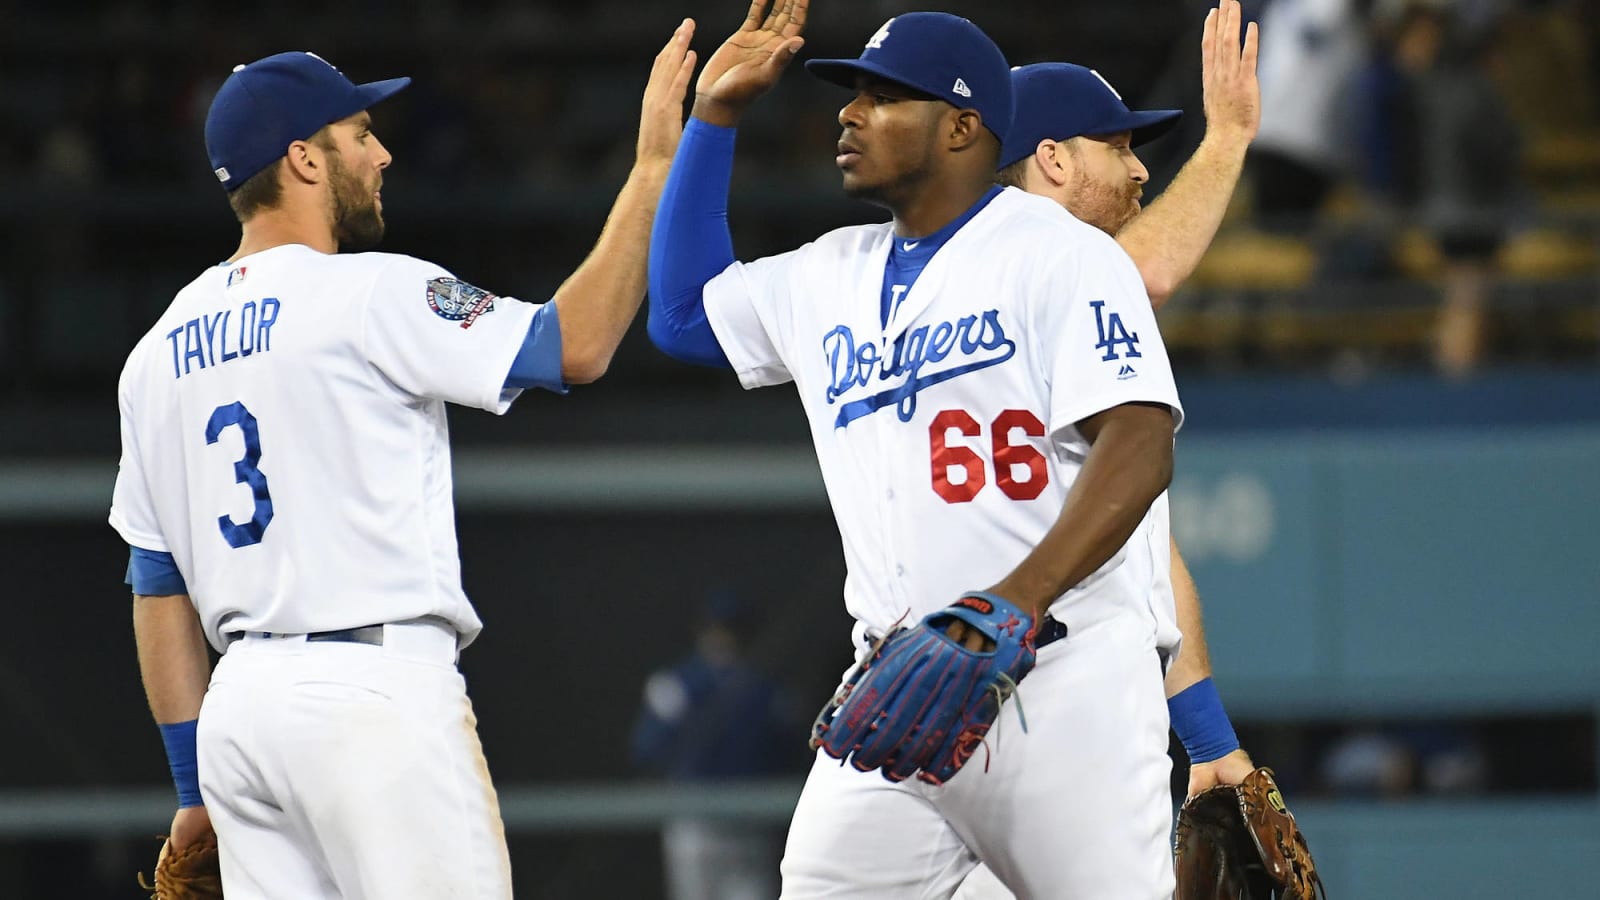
(458, 301)
(237, 275)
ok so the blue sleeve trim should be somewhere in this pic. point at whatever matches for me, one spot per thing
(538, 363)
(182, 759)
(153, 573)
(690, 243)
(1202, 725)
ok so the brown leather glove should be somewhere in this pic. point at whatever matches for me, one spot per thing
(194, 873)
(1239, 842)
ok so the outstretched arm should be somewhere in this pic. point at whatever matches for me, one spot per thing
(1167, 240)
(600, 299)
(1215, 756)
(691, 242)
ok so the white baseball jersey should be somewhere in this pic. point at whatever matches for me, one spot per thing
(947, 439)
(284, 437)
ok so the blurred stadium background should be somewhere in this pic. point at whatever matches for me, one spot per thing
(1387, 486)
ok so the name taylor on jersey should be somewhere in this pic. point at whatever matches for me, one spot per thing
(215, 338)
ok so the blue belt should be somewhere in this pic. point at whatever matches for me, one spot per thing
(1050, 630)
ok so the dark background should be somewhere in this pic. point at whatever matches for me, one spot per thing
(508, 150)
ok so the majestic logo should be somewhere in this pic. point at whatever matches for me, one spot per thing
(1114, 334)
(962, 89)
(879, 36)
(458, 301)
(1126, 372)
(968, 344)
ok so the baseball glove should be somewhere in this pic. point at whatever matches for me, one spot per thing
(1239, 842)
(194, 873)
(920, 703)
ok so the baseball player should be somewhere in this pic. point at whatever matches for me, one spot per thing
(285, 490)
(1072, 139)
(991, 406)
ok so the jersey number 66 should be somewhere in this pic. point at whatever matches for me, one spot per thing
(1010, 460)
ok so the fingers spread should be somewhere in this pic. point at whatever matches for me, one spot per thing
(752, 19)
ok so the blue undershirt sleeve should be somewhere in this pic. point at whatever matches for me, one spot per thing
(690, 244)
(538, 363)
(153, 573)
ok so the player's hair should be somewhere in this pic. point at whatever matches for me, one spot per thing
(258, 192)
(1015, 174)
(263, 190)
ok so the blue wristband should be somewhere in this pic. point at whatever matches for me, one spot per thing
(1200, 722)
(181, 759)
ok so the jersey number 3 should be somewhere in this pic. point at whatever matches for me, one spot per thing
(245, 471)
(1010, 460)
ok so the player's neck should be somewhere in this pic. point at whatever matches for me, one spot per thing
(277, 227)
(935, 206)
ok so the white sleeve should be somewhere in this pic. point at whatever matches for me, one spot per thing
(748, 306)
(1100, 345)
(133, 512)
(435, 336)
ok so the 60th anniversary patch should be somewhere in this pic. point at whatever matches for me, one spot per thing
(458, 301)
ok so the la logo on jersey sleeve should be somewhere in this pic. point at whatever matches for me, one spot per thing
(458, 301)
(1115, 339)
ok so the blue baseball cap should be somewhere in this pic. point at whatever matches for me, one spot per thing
(265, 106)
(938, 54)
(1057, 101)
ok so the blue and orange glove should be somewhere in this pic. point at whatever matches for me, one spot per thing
(920, 703)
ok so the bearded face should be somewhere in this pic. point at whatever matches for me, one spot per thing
(1106, 181)
(357, 220)
(1107, 205)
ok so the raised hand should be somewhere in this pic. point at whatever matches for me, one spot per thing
(661, 117)
(1228, 74)
(748, 64)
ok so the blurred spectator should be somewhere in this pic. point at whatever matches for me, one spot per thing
(1442, 146)
(1370, 763)
(1402, 760)
(1311, 51)
(714, 716)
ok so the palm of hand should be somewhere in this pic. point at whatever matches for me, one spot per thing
(1232, 94)
(750, 61)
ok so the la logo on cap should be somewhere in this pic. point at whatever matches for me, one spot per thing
(878, 36)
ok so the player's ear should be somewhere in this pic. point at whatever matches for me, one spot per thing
(305, 162)
(966, 129)
(1053, 161)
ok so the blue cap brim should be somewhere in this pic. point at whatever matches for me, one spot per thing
(375, 92)
(1147, 125)
(843, 72)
